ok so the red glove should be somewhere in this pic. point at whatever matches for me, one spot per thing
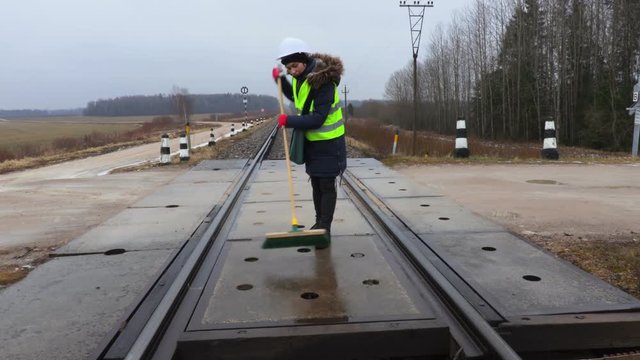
(282, 120)
(276, 72)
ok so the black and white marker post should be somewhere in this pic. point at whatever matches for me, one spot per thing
(165, 150)
(549, 147)
(212, 138)
(462, 146)
(184, 147)
(245, 90)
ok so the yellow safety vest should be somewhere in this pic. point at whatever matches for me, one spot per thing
(333, 126)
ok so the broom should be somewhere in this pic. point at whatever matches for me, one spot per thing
(296, 237)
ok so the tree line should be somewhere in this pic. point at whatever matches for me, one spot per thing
(174, 104)
(39, 113)
(507, 66)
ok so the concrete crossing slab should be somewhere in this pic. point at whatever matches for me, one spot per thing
(397, 187)
(519, 279)
(351, 282)
(279, 191)
(256, 219)
(281, 165)
(161, 220)
(197, 195)
(373, 172)
(515, 277)
(220, 164)
(207, 176)
(66, 307)
(358, 162)
(439, 215)
(278, 175)
(139, 229)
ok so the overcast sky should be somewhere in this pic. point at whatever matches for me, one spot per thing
(57, 54)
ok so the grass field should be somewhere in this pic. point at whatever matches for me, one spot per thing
(29, 137)
(16, 133)
(36, 131)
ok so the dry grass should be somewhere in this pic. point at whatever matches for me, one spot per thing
(43, 131)
(37, 161)
(10, 274)
(362, 146)
(17, 133)
(44, 141)
(617, 262)
(434, 148)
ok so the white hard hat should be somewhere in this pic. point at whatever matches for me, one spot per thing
(291, 45)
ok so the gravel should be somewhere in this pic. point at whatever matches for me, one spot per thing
(246, 145)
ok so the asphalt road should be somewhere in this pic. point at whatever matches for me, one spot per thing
(592, 201)
(49, 206)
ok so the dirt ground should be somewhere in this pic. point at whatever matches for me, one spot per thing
(575, 210)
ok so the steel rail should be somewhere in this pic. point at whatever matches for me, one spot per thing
(160, 316)
(470, 320)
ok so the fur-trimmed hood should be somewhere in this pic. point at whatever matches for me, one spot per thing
(328, 69)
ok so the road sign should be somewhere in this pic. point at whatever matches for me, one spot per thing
(635, 96)
(244, 90)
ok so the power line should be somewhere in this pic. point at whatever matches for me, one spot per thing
(346, 104)
(416, 19)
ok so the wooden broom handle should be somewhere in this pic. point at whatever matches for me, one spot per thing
(294, 220)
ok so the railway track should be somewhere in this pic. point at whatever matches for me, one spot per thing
(389, 287)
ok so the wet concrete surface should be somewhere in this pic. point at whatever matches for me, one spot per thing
(66, 307)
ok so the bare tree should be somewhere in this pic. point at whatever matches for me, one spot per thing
(181, 103)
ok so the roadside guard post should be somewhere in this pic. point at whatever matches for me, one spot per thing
(634, 110)
(184, 147)
(549, 146)
(165, 150)
(212, 138)
(462, 146)
(395, 142)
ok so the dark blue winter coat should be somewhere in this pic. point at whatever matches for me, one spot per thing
(324, 158)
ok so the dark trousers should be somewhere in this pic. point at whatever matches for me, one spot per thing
(324, 200)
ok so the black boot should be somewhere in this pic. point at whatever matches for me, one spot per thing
(317, 198)
(320, 226)
(327, 196)
(324, 201)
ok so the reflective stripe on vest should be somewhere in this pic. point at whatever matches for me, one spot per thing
(333, 126)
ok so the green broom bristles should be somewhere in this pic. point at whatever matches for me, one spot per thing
(296, 237)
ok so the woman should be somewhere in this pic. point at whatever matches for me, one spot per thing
(314, 91)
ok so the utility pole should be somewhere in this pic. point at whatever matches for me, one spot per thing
(187, 125)
(416, 16)
(634, 110)
(346, 104)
